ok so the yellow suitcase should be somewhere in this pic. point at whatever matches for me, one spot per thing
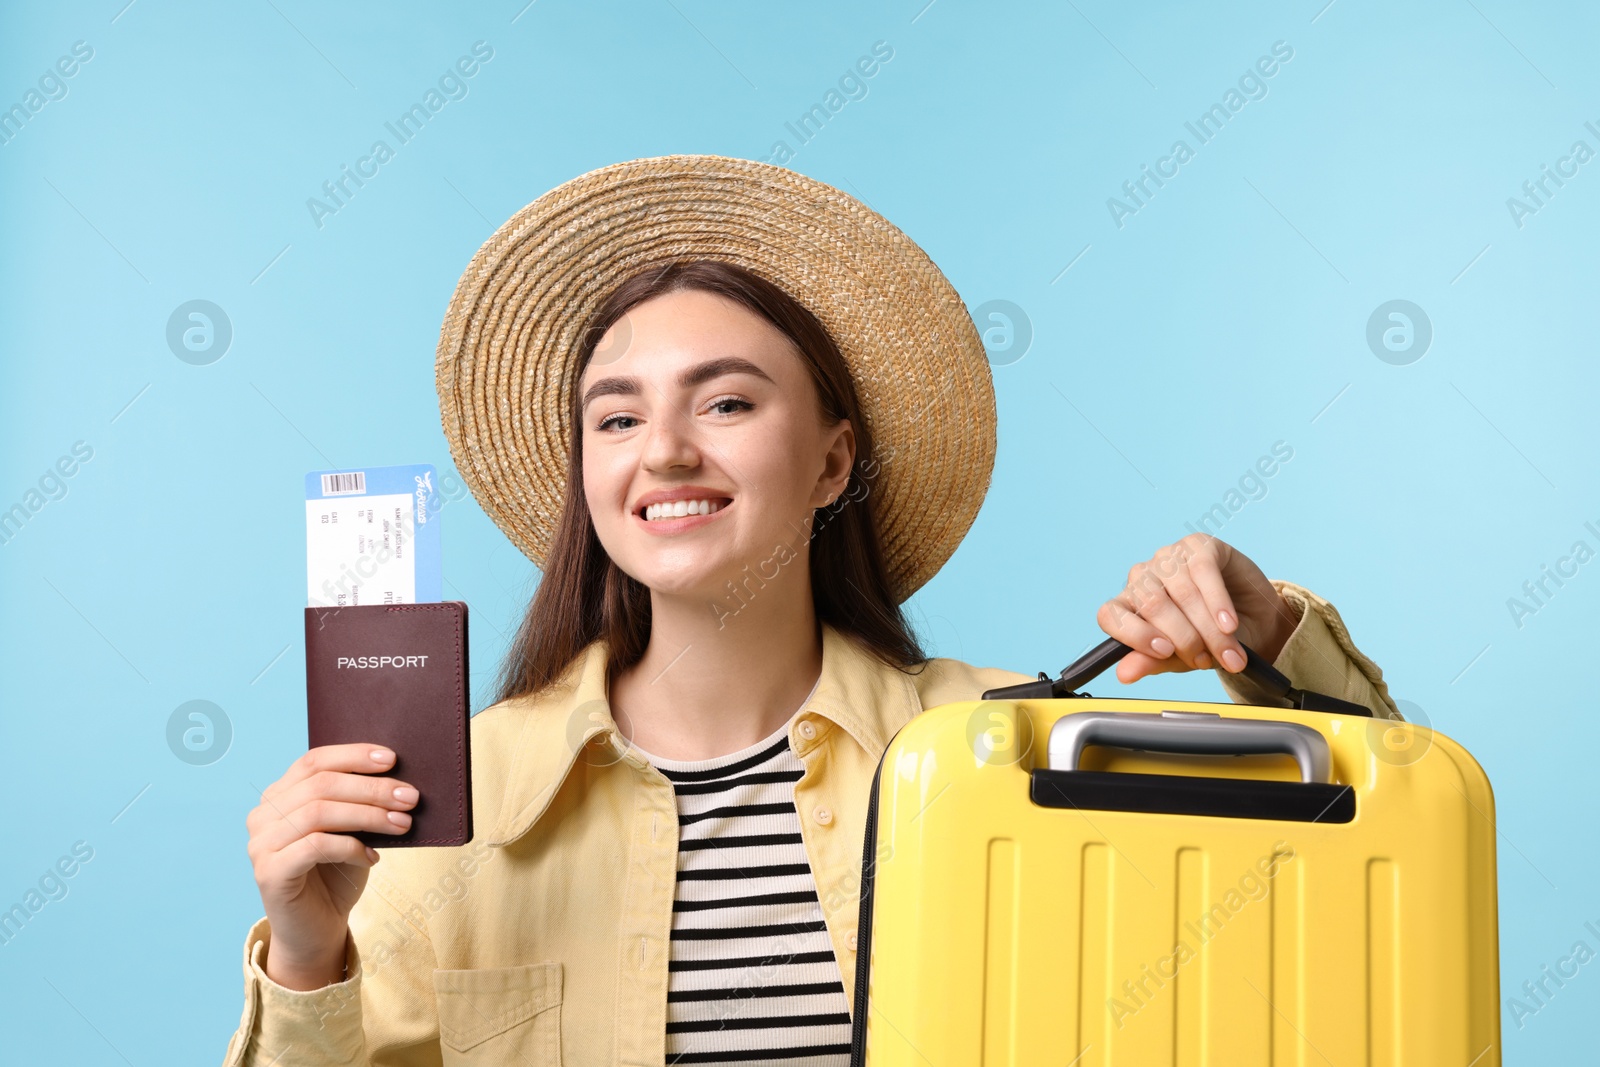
(1051, 878)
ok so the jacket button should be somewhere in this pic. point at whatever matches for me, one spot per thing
(823, 816)
(851, 941)
(806, 729)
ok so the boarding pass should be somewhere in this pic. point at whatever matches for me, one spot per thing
(372, 537)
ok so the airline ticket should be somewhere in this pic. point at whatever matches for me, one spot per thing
(372, 537)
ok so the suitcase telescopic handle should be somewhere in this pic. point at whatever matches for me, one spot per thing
(1189, 732)
(1108, 652)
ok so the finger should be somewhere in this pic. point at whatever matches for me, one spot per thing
(1186, 594)
(1136, 665)
(325, 816)
(355, 757)
(341, 785)
(1118, 619)
(295, 860)
(1206, 575)
(1159, 610)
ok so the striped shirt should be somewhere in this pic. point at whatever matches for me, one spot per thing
(752, 977)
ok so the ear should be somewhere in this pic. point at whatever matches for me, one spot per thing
(837, 463)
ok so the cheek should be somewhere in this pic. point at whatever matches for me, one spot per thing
(604, 481)
(773, 460)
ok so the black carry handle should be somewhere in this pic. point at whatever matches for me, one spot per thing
(1109, 651)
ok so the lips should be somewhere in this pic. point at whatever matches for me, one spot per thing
(687, 494)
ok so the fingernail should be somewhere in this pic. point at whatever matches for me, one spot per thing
(1225, 620)
(1232, 660)
(1162, 647)
(405, 794)
(372, 854)
(1203, 661)
(399, 818)
(381, 755)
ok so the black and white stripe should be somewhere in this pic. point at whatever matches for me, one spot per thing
(752, 978)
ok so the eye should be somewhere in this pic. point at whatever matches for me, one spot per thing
(739, 403)
(606, 423)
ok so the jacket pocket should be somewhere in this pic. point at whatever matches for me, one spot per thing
(500, 1015)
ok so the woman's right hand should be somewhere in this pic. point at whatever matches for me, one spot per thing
(309, 873)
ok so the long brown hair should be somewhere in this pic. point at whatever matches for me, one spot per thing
(583, 595)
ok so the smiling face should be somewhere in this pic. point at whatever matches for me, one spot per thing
(694, 403)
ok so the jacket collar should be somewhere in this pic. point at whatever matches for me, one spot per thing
(866, 698)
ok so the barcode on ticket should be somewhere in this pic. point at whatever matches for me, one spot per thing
(344, 484)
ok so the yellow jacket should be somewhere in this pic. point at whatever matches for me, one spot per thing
(544, 940)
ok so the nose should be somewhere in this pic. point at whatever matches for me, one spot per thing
(672, 442)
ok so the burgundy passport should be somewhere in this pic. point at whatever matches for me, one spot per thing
(396, 675)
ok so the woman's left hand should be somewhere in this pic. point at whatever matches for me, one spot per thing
(1190, 605)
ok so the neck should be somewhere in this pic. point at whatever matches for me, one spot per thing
(718, 678)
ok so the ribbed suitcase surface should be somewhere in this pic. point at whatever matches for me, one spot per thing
(1189, 910)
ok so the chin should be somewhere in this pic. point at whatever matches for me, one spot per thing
(698, 582)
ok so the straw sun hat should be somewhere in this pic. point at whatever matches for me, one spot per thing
(506, 362)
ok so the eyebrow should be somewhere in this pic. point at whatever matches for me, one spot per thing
(626, 385)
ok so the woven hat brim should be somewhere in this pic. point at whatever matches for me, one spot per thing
(506, 362)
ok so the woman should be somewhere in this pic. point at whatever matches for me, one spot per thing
(671, 787)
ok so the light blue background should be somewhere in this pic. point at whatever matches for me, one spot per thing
(1224, 316)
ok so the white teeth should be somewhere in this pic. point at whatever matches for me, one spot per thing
(679, 508)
